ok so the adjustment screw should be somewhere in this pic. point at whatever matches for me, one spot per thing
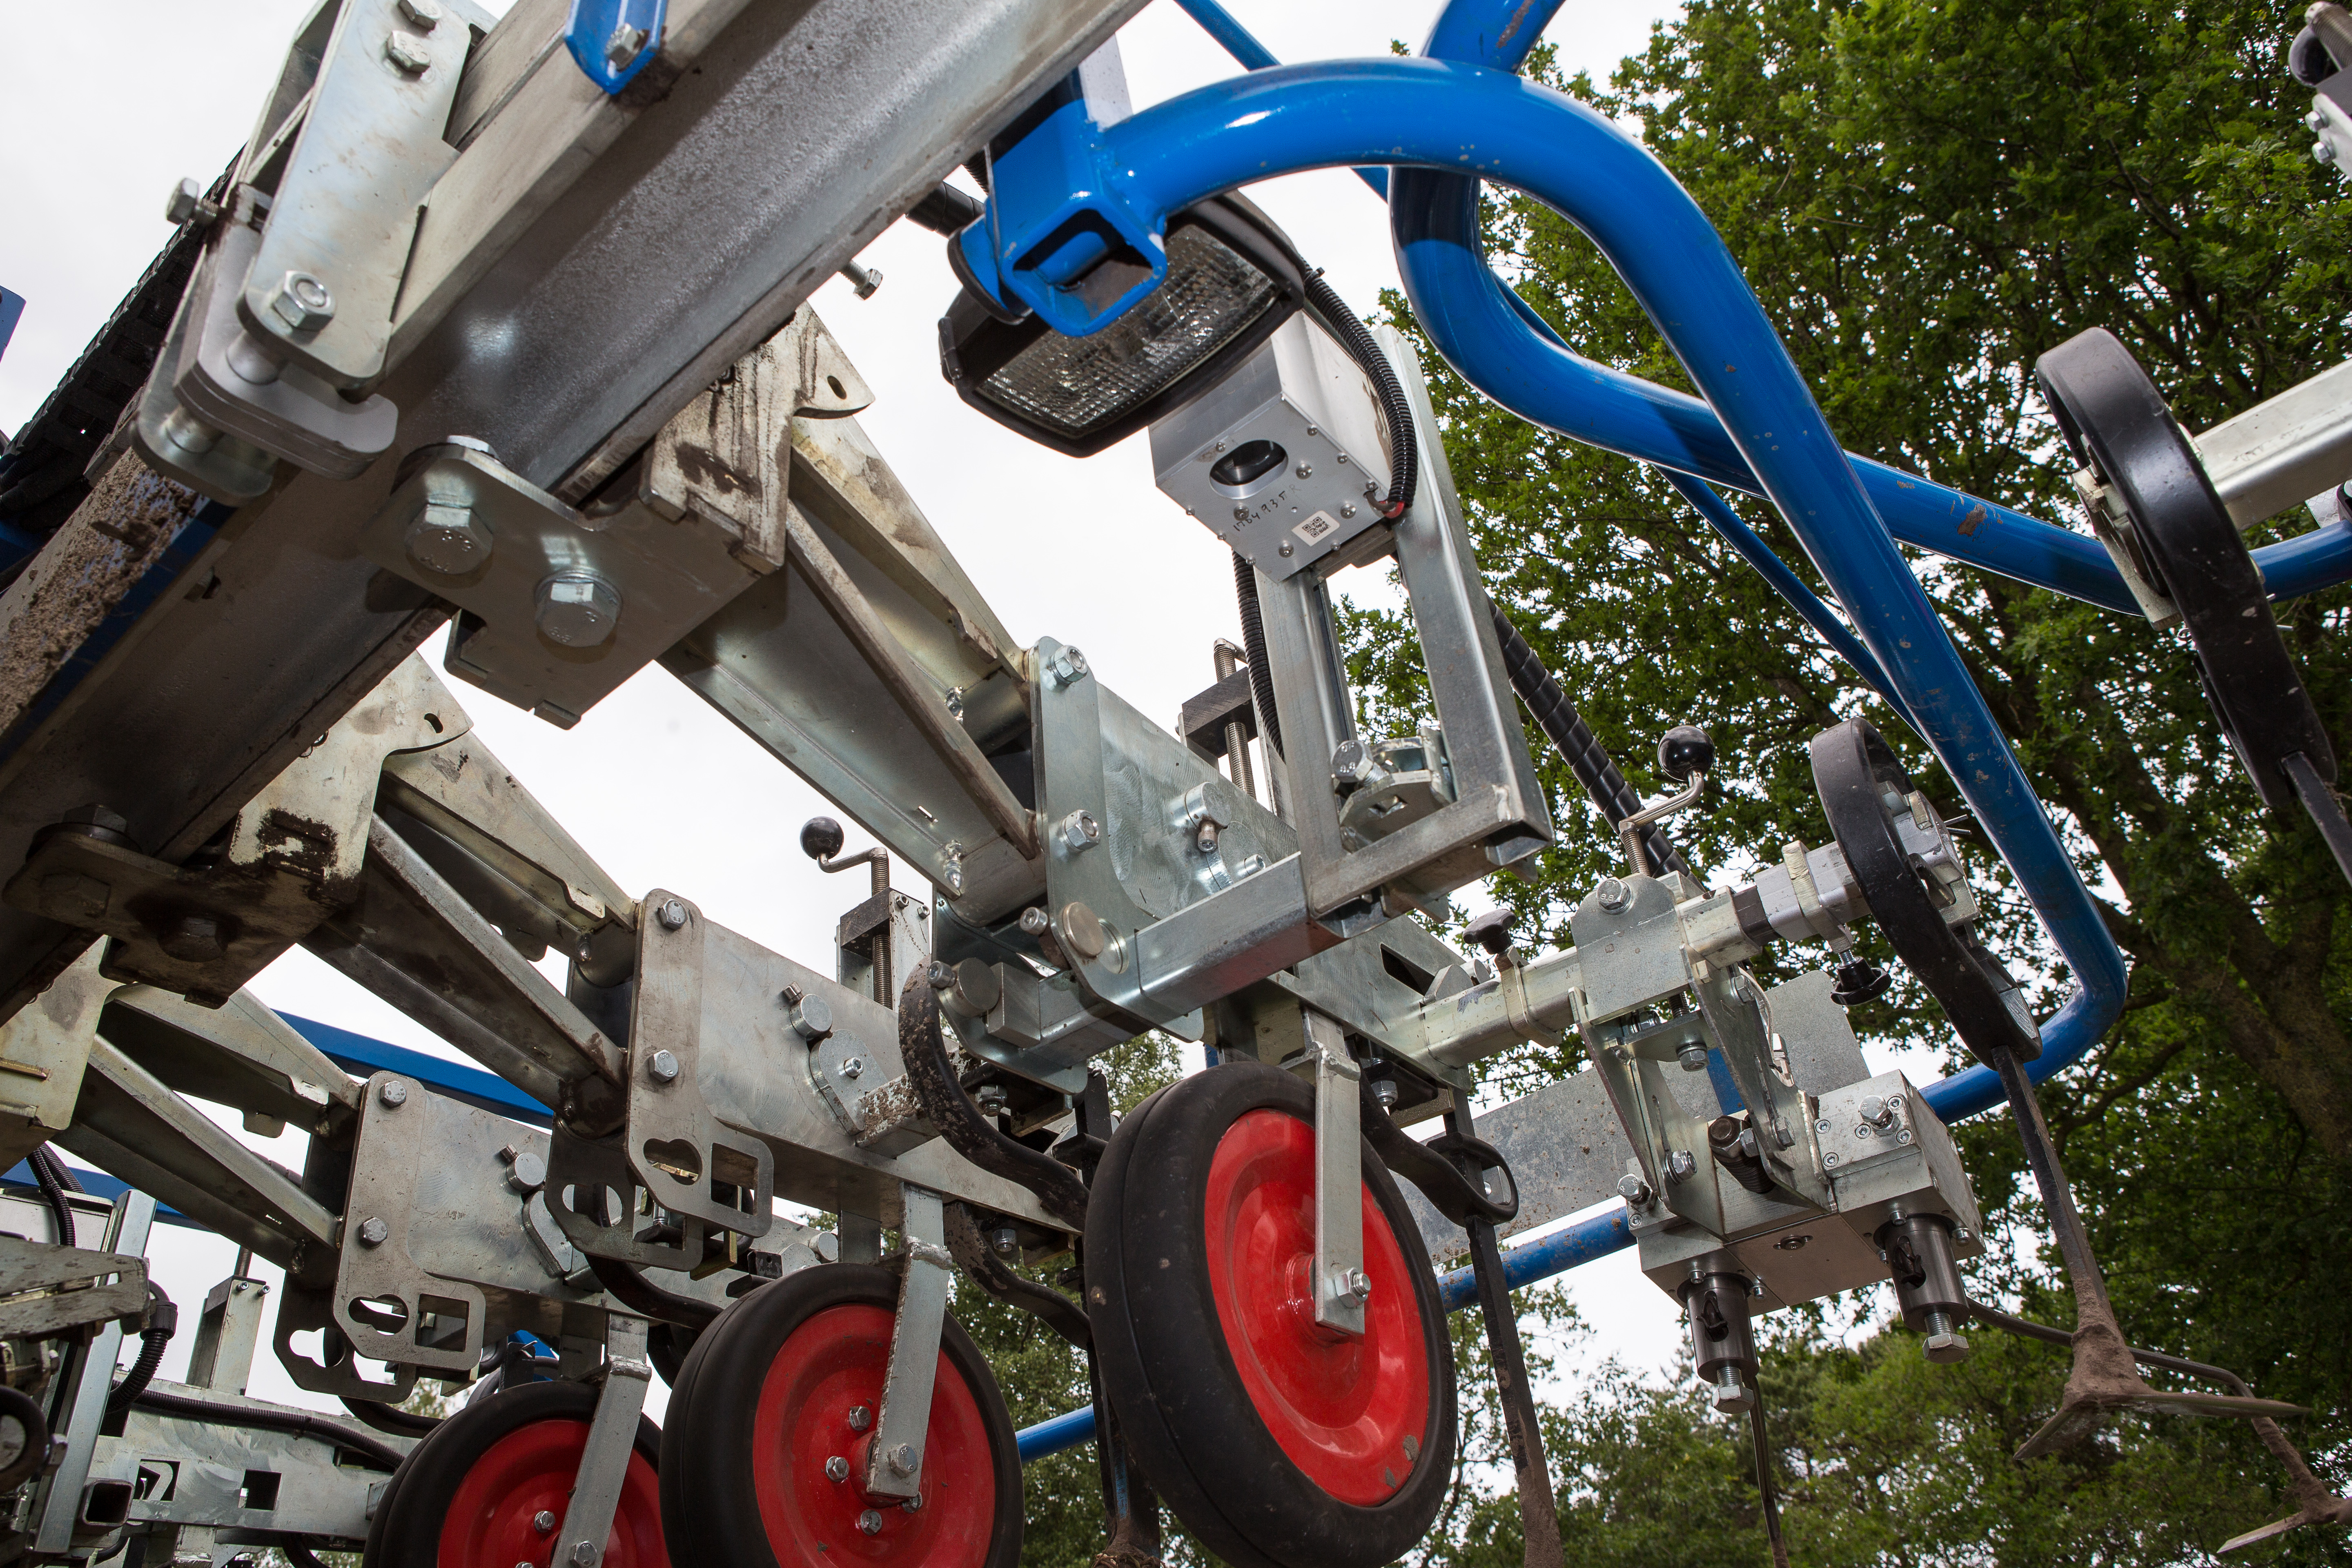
(1680, 1166)
(407, 55)
(836, 1469)
(374, 1231)
(663, 1067)
(543, 1522)
(1612, 894)
(870, 1522)
(448, 539)
(902, 1459)
(672, 914)
(860, 1418)
(1080, 831)
(1692, 1058)
(194, 939)
(1634, 1190)
(395, 1093)
(578, 609)
(186, 204)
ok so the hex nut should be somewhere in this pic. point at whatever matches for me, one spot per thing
(407, 55)
(447, 539)
(543, 1522)
(1692, 1058)
(1681, 1166)
(1633, 1190)
(662, 1067)
(620, 48)
(1005, 1240)
(304, 303)
(1065, 666)
(424, 14)
(1944, 1349)
(1080, 831)
(836, 1469)
(1358, 1285)
(1613, 895)
(860, 1418)
(578, 609)
(192, 939)
(584, 1554)
(870, 1522)
(395, 1093)
(373, 1232)
(902, 1459)
(672, 914)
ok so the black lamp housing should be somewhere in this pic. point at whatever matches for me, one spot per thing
(1233, 277)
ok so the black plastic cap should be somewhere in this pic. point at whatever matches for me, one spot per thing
(1492, 931)
(821, 838)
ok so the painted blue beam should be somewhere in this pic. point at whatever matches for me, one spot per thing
(362, 1056)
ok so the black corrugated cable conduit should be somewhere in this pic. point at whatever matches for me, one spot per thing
(163, 1323)
(1404, 457)
(1269, 723)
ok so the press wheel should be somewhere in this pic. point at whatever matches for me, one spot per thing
(766, 1398)
(471, 1494)
(1277, 1444)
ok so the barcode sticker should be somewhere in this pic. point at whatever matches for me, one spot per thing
(1315, 528)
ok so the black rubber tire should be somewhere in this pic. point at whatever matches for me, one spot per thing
(2116, 421)
(1184, 1408)
(1852, 761)
(710, 1508)
(407, 1530)
(19, 1407)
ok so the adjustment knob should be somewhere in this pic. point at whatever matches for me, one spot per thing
(1492, 931)
(1685, 750)
(821, 838)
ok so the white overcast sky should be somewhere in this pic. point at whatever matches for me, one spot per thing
(131, 95)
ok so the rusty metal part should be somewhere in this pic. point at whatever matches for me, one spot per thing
(922, 1046)
(977, 1258)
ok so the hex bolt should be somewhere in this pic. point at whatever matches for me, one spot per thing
(662, 1067)
(992, 1099)
(1681, 1166)
(1692, 1058)
(527, 1174)
(407, 55)
(373, 1232)
(2314, 119)
(1878, 1111)
(853, 1066)
(672, 914)
(192, 939)
(304, 303)
(1034, 920)
(584, 1554)
(1634, 1190)
(938, 975)
(543, 1522)
(2322, 151)
(902, 1459)
(1080, 831)
(1065, 666)
(860, 1418)
(837, 1469)
(624, 45)
(1005, 1240)
(1946, 1343)
(447, 539)
(578, 609)
(393, 1093)
(1730, 1393)
(870, 1522)
(1612, 894)
(186, 204)
(1359, 1285)
(1385, 1093)
(424, 14)
(913, 1504)
(1205, 841)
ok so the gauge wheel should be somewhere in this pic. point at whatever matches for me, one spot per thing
(790, 1379)
(1279, 1443)
(1857, 775)
(24, 1438)
(472, 1495)
(2117, 422)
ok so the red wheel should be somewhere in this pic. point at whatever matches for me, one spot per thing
(1279, 1443)
(473, 1494)
(776, 1390)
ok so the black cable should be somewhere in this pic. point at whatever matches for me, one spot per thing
(1404, 459)
(163, 1323)
(1269, 723)
(639, 1294)
(1558, 719)
(390, 1419)
(382, 1455)
(946, 210)
(54, 1180)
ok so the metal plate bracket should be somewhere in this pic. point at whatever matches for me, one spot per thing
(894, 1460)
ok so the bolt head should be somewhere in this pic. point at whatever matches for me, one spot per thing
(447, 539)
(853, 1066)
(938, 975)
(1830, 1161)
(373, 1232)
(1359, 1285)
(902, 1459)
(1034, 920)
(527, 1174)
(672, 914)
(1681, 1165)
(578, 609)
(1306, 470)
(408, 57)
(393, 1093)
(870, 1522)
(1692, 1058)
(543, 1522)
(1080, 831)
(1732, 1397)
(1612, 894)
(304, 303)
(424, 14)
(1947, 1348)
(1633, 1190)
(2315, 119)
(1006, 1240)
(991, 1100)
(186, 204)
(913, 1504)
(836, 1469)
(861, 1419)
(624, 45)
(662, 1067)
(584, 1554)
(1205, 841)
(192, 939)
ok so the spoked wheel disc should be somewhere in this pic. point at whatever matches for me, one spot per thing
(789, 1380)
(1279, 1443)
(474, 1493)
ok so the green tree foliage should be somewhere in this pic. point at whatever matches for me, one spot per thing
(1926, 195)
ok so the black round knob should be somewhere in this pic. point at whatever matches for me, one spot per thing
(1858, 982)
(821, 838)
(1685, 750)
(1492, 931)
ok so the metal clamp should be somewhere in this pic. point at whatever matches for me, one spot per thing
(1341, 1286)
(611, 1438)
(894, 1460)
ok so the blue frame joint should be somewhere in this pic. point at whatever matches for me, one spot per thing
(612, 40)
(1066, 245)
